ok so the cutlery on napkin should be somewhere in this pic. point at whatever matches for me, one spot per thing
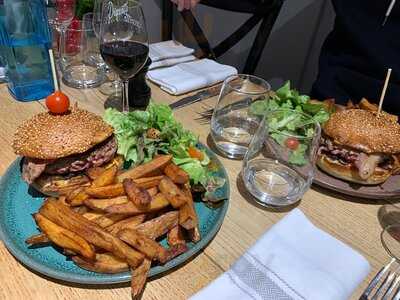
(168, 49)
(292, 260)
(190, 76)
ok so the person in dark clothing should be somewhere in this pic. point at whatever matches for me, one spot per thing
(357, 53)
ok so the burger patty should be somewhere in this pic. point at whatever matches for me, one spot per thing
(346, 156)
(95, 157)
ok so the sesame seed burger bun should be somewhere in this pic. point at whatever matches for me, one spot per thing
(49, 136)
(349, 173)
(364, 131)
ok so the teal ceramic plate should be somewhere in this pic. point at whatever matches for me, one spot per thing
(18, 202)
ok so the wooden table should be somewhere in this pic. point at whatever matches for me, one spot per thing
(354, 222)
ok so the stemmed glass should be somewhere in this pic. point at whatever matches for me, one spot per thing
(124, 42)
(113, 87)
(60, 15)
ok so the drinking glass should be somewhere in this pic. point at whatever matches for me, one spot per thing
(112, 87)
(60, 15)
(279, 166)
(124, 42)
(232, 123)
(79, 66)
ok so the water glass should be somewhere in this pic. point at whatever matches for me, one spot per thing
(81, 66)
(232, 123)
(279, 166)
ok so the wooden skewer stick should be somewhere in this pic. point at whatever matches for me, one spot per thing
(389, 72)
(53, 70)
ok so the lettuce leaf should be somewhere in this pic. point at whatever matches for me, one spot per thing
(130, 130)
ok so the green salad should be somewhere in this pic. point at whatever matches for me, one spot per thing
(289, 128)
(143, 134)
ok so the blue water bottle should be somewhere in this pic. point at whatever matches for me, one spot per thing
(24, 43)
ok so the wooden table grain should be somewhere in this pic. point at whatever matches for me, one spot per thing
(354, 221)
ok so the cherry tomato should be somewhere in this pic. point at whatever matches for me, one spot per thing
(195, 153)
(292, 143)
(57, 103)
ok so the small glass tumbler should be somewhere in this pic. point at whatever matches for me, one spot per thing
(232, 122)
(279, 166)
(80, 63)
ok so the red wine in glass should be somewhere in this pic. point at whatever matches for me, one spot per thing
(126, 58)
(123, 40)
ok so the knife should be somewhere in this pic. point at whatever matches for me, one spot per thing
(207, 93)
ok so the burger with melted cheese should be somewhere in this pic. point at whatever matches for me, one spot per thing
(57, 149)
(361, 147)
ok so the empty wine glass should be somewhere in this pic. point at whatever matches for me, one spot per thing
(279, 166)
(123, 41)
(60, 14)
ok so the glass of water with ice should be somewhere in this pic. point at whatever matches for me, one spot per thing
(279, 165)
(232, 123)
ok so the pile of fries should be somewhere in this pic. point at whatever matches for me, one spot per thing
(114, 224)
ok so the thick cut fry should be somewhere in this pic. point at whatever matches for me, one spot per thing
(187, 213)
(194, 234)
(81, 209)
(104, 263)
(176, 174)
(176, 236)
(153, 191)
(146, 169)
(366, 105)
(103, 204)
(159, 226)
(67, 218)
(94, 172)
(118, 161)
(92, 215)
(108, 220)
(158, 202)
(172, 192)
(106, 178)
(174, 251)
(37, 239)
(148, 182)
(108, 191)
(138, 195)
(78, 199)
(139, 277)
(145, 245)
(64, 238)
(129, 223)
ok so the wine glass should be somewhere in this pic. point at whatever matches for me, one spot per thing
(124, 42)
(60, 14)
(112, 87)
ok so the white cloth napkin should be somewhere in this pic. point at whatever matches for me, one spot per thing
(168, 49)
(190, 76)
(171, 62)
(293, 260)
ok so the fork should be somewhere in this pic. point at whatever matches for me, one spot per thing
(205, 115)
(385, 284)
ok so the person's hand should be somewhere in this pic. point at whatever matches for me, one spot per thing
(185, 4)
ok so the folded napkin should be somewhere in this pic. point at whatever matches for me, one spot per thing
(171, 62)
(190, 76)
(293, 260)
(168, 49)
